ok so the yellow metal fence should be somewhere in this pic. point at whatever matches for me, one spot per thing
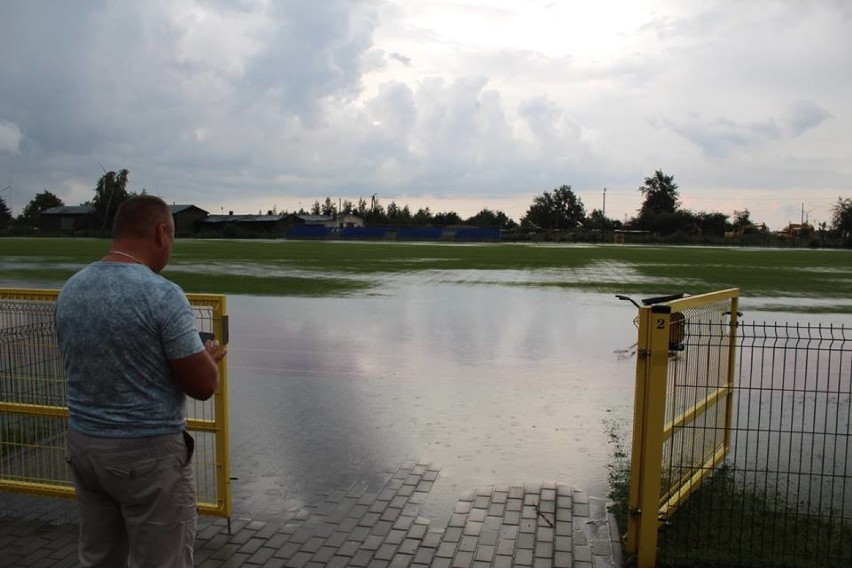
(683, 404)
(33, 410)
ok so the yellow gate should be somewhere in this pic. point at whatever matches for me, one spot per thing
(682, 411)
(33, 408)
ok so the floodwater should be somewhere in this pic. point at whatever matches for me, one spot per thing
(491, 383)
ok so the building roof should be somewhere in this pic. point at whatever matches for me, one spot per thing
(70, 210)
(173, 209)
(216, 219)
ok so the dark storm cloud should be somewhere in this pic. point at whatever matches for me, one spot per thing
(312, 51)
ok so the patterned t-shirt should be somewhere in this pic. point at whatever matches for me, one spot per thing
(118, 326)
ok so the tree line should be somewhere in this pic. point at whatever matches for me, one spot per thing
(557, 210)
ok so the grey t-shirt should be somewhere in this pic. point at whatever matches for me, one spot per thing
(118, 326)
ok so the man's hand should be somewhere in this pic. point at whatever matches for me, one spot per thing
(216, 351)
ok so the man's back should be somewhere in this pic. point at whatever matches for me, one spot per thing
(118, 325)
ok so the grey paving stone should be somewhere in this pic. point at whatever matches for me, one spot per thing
(336, 539)
(373, 542)
(404, 522)
(252, 546)
(523, 557)
(350, 548)
(544, 549)
(563, 543)
(477, 515)
(417, 531)
(453, 534)
(288, 550)
(432, 539)
(545, 534)
(324, 554)
(395, 536)
(512, 518)
(525, 541)
(401, 560)
(562, 560)
(446, 550)
(424, 555)
(386, 552)
(382, 528)
(313, 544)
(261, 556)
(361, 558)
(442, 562)
(485, 553)
(473, 528)
(409, 546)
(468, 544)
(463, 559)
(359, 533)
(505, 547)
(369, 519)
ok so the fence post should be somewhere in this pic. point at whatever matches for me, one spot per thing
(223, 452)
(652, 359)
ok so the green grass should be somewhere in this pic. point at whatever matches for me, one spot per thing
(729, 522)
(335, 268)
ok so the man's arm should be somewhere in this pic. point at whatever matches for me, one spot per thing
(198, 375)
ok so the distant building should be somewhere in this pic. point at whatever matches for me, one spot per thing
(186, 217)
(67, 218)
(273, 225)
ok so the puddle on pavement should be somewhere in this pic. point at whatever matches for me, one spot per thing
(491, 383)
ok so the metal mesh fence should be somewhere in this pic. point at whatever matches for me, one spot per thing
(784, 496)
(33, 411)
(695, 406)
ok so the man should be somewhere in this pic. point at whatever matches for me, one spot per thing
(131, 353)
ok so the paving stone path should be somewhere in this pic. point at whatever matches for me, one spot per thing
(379, 525)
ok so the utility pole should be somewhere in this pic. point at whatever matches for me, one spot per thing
(604, 203)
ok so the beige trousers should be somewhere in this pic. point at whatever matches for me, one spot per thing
(137, 500)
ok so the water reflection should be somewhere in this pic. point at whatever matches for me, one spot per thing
(492, 383)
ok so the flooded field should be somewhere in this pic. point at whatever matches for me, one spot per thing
(491, 383)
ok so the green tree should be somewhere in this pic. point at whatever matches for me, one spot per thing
(841, 217)
(713, 223)
(41, 202)
(598, 220)
(110, 192)
(660, 193)
(316, 208)
(561, 209)
(398, 215)
(489, 218)
(742, 218)
(329, 208)
(448, 218)
(5, 214)
(422, 217)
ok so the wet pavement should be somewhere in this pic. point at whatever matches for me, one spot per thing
(365, 524)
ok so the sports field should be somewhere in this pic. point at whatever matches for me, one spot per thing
(304, 268)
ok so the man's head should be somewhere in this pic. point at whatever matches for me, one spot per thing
(144, 224)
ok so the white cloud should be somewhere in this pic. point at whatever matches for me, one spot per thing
(10, 137)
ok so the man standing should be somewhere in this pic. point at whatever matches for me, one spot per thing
(131, 353)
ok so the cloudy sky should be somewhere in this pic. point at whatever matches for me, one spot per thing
(246, 105)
